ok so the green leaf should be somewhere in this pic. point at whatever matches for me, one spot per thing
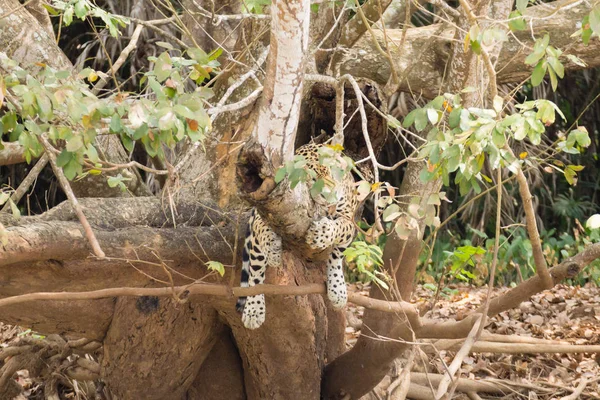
(81, 9)
(140, 132)
(317, 188)
(63, 158)
(165, 45)
(517, 22)
(255, 6)
(74, 144)
(521, 5)
(198, 55)
(280, 175)
(410, 118)
(68, 16)
(576, 60)
(14, 209)
(420, 119)
(557, 66)
(595, 20)
(162, 67)
(216, 266)
(72, 169)
(539, 50)
(115, 124)
(498, 138)
(391, 213)
(114, 181)
(432, 116)
(570, 176)
(581, 136)
(538, 73)
(184, 111)
(92, 154)
(454, 117)
(553, 79)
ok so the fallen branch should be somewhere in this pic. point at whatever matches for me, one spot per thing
(578, 391)
(464, 385)
(445, 344)
(464, 351)
(511, 299)
(402, 381)
(527, 348)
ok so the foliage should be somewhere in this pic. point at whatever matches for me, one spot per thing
(471, 263)
(216, 266)
(570, 208)
(460, 139)
(63, 108)
(83, 9)
(365, 261)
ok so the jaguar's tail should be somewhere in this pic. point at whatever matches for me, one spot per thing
(245, 264)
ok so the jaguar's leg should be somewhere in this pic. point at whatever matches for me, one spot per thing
(273, 249)
(254, 264)
(321, 233)
(336, 285)
(338, 232)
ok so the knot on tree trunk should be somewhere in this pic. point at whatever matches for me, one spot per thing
(255, 173)
(289, 212)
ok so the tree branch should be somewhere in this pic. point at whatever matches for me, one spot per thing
(64, 183)
(27, 182)
(426, 76)
(183, 292)
(12, 153)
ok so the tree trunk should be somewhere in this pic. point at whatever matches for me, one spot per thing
(357, 371)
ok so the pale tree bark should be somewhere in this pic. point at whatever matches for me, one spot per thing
(275, 128)
(420, 62)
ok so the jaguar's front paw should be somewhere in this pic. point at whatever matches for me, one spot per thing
(337, 294)
(254, 312)
(321, 234)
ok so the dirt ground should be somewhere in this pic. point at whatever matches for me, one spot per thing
(563, 315)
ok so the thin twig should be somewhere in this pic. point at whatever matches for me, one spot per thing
(121, 59)
(64, 183)
(486, 307)
(27, 182)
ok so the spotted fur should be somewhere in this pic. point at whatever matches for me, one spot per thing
(262, 247)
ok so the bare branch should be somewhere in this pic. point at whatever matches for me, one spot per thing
(64, 183)
(121, 59)
(27, 182)
(183, 292)
(426, 77)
